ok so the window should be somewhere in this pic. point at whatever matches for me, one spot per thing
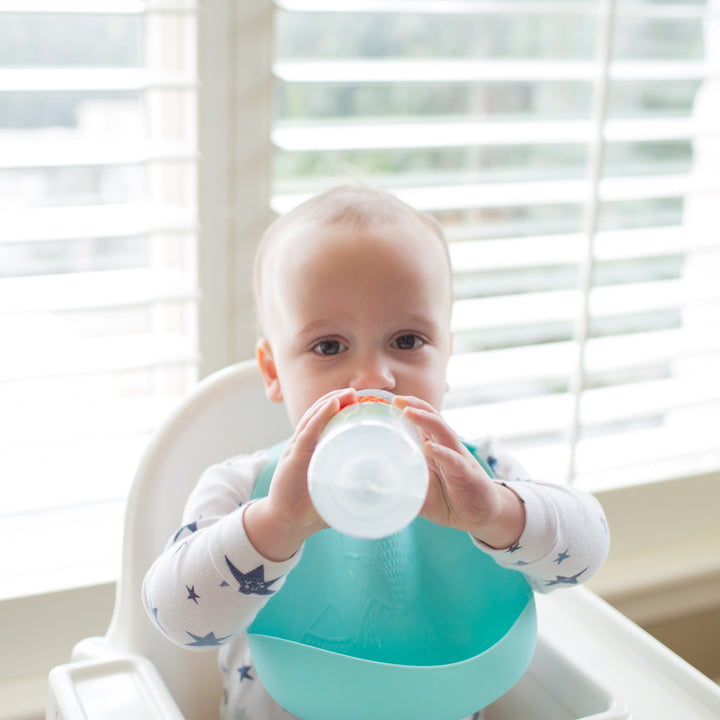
(567, 149)
(98, 269)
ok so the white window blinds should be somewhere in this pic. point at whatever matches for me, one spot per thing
(570, 149)
(98, 268)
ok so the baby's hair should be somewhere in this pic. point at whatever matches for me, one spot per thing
(352, 207)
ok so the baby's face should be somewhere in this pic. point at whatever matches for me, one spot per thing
(361, 309)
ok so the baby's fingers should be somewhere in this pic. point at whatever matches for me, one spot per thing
(320, 412)
(432, 425)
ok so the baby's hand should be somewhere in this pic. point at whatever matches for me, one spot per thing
(278, 524)
(461, 494)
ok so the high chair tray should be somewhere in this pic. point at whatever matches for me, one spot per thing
(554, 689)
(591, 663)
(120, 688)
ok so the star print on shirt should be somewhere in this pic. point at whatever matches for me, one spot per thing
(192, 527)
(192, 595)
(155, 617)
(562, 556)
(206, 641)
(514, 548)
(252, 583)
(562, 580)
(244, 672)
(603, 522)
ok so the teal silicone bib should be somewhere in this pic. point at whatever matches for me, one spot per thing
(419, 625)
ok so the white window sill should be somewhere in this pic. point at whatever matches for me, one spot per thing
(663, 559)
(39, 632)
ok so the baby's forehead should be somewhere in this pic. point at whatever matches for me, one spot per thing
(392, 241)
(309, 229)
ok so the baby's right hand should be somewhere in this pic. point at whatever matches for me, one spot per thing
(278, 524)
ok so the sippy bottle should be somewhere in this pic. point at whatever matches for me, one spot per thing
(368, 476)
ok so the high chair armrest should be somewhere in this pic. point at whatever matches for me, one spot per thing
(112, 688)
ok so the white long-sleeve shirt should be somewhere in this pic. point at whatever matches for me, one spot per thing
(210, 582)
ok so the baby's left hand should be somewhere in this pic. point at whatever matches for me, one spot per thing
(461, 494)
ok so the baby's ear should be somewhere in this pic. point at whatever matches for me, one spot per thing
(266, 363)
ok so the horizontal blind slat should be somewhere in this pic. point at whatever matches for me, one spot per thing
(97, 415)
(512, 419)
(637, 455)
(93, 221)
(549, 414)
(93, 291)
(430, 71)
(603, 355)
(61, 152)
(84, 357)
(65, 80)
(454, 196)
(441, 7)
(417, 135)
(541, 250)
(592, 8)
(92, 7)
(624, 403)
(316, 137)
(559, 305)
(362, 72)
(509, 310)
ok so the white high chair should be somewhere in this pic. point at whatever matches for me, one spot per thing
(135, 673)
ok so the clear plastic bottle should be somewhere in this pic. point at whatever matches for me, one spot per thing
(368, 476)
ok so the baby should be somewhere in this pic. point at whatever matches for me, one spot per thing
(354, 291)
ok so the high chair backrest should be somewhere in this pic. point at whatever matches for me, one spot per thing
(225, 415)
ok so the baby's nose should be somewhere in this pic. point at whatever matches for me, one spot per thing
(373, 374)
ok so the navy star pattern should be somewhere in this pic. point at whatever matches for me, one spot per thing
(253, 582)
(244, 672)
(191, 527)
(562, 580)
(563, 556)
(514, 548)
(205, 641)
(192, 595)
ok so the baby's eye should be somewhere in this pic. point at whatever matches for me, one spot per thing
(407, 342)
(329, 347)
